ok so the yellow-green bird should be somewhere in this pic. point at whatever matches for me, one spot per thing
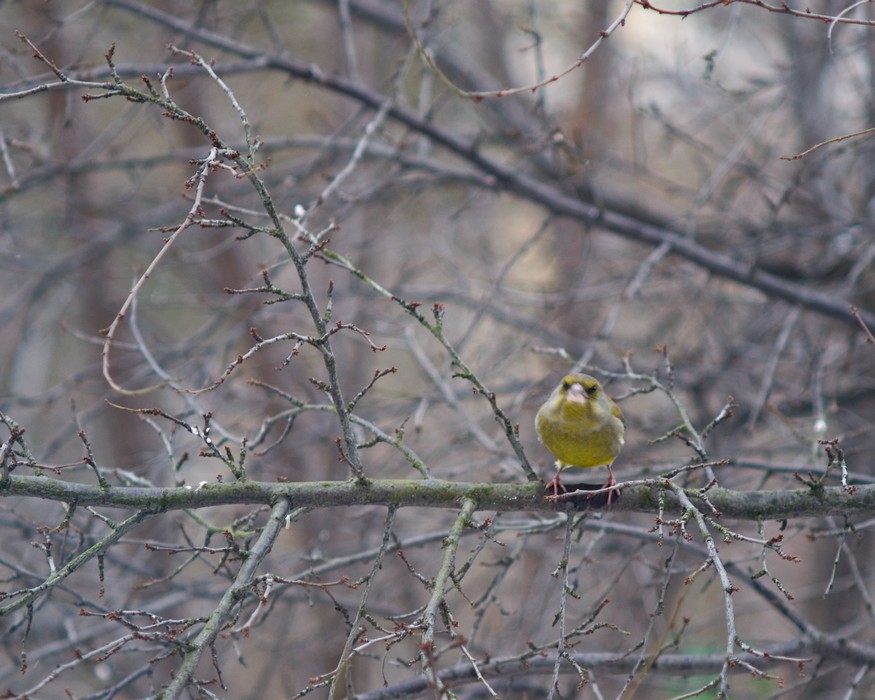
(582, 426)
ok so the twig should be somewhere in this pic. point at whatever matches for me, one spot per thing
(506, 92)
(231, 599)
(439, 590)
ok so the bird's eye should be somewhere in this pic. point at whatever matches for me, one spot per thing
(592, 389)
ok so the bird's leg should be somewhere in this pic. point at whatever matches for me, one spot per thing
(555, 484)
(612, 482)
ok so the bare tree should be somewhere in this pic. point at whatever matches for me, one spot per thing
(284, 285)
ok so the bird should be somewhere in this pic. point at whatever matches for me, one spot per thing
(582, 426)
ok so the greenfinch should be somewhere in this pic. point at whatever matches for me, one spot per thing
(582, 426)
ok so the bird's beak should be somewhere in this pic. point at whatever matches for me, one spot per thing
(576, 392)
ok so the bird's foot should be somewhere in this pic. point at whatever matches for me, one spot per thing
(556, 486)
(614, 493)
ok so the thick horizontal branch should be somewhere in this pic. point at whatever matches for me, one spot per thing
(643, 496)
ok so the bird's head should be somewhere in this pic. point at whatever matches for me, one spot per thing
(580, 388)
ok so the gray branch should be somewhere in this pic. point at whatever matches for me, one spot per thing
(642, 496)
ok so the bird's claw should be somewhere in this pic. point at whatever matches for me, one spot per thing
(556, 485)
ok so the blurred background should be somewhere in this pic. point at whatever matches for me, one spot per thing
(637, 216)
